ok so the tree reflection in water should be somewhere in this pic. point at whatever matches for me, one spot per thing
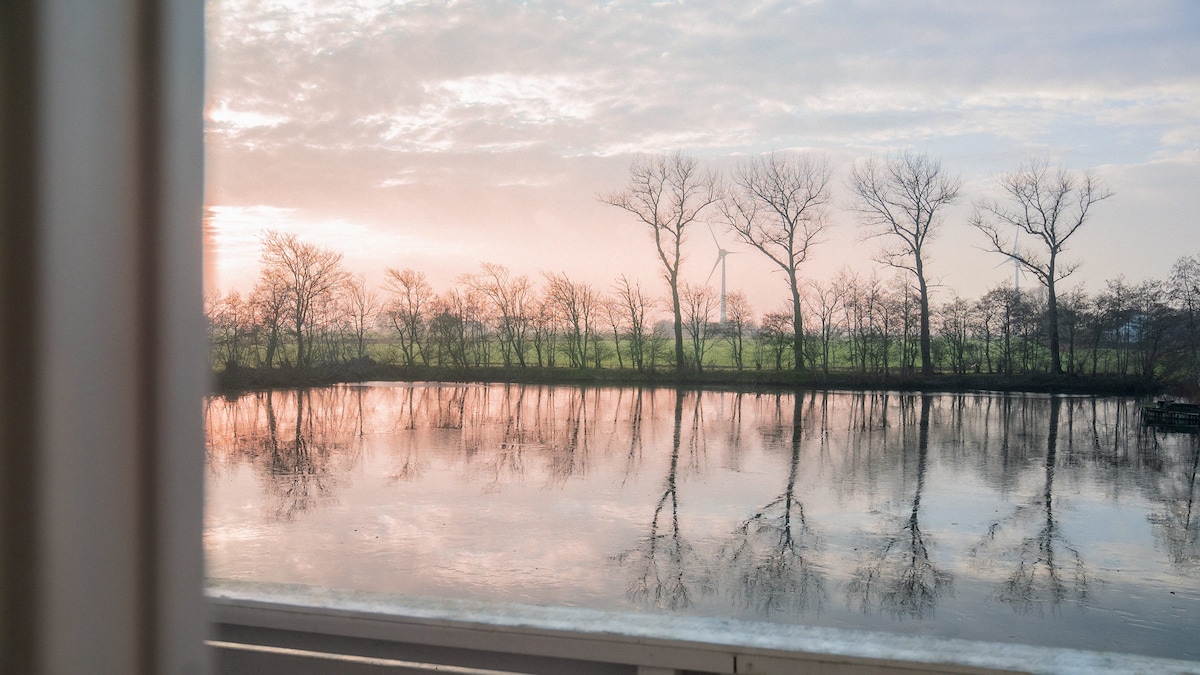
(506, 463)
(634, 453)
(570, 450)
(770, 554)
(899, 577)
(1177, 524)
(408, 461)
(299, 477)
(527, 492)
(1046, 568)
(664, 564)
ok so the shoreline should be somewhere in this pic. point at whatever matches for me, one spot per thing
(241, 380)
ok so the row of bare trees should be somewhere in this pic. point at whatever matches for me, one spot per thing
(307, 310)
(873, 325)
(778, 205)
(302, 289)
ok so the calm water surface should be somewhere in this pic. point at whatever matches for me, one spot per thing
(1044, 520)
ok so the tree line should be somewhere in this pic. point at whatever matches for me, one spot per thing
(307, 310)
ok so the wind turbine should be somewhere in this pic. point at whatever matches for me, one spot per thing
(721, 253)
(1018, 271)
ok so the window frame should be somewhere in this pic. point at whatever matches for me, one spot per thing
(101, 506)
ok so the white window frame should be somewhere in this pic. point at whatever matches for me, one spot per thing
(101, 460)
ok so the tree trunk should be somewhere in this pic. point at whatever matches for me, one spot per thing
(797, 325)
(1052, 319)
(926, 341)
(680, 361)
(300, 356)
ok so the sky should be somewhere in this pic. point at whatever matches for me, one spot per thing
(441, 135)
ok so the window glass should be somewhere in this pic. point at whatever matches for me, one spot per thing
(459, 255)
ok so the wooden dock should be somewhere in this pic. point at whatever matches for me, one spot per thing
(1170, 413)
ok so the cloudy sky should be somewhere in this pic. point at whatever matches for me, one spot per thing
(439, 135)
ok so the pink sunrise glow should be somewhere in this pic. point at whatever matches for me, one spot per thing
(440, 135)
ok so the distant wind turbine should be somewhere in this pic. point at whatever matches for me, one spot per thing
(721, 253)
(1018, 271)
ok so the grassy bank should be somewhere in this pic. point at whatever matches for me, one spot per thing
(247, 379)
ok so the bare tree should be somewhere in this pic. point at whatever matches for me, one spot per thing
(823, 301)
(772, 340)
(458, 333)
(362, 305)
(956, 319)
(1152, 327)
(668, 193)
(231, 325)
(577, 305)
(408, 310)
(699, 304)
(613, 310)
(847, 288)
(866, 319)
(636, 305)
(512, 298)
(331, 327)
(544, 332)
(268, 302)
(307, 275)
(451, 316)
(1050, 205)
(905, 307)
(738, 317)
(777, 206)
(999, 312)
(1183, 289)
(900, 200)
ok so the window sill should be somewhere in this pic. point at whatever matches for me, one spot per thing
(404, 631)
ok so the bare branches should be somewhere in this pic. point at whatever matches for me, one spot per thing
(409, 311)
(636, 306)
(699, 305)
(901, 200)
(512, 298)
(1049, 205)
(577, 305)
(303, 277)
(778, 205)
(667, 193)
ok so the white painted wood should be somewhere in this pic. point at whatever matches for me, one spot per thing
(105, 244)
(181, 358)
(523, 638)
(235, 659)
(86, 384)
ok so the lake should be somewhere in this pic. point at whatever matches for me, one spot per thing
(1037, 519)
